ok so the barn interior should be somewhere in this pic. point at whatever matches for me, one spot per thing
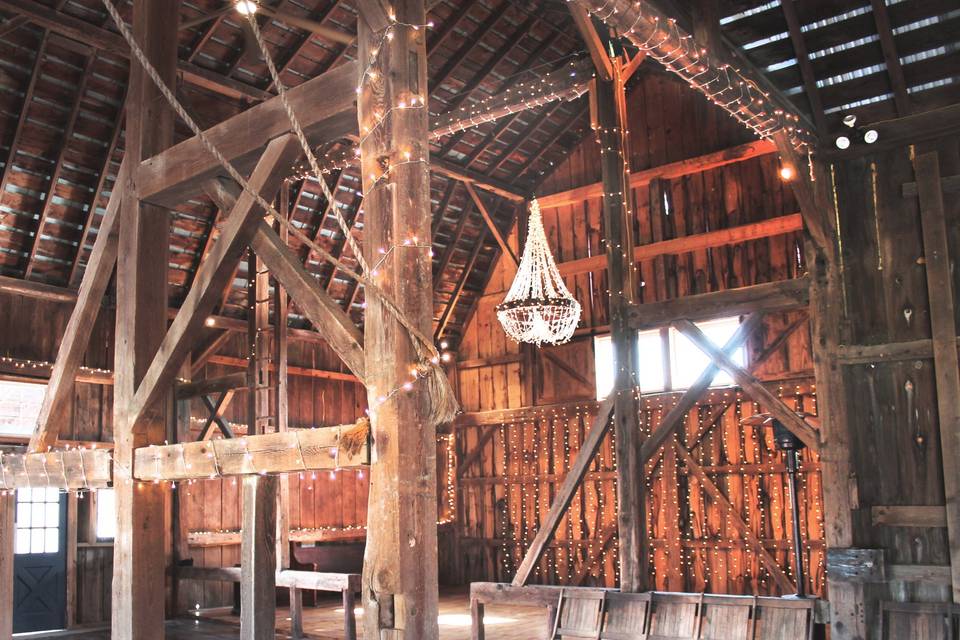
(506, 319)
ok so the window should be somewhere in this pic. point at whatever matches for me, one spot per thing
(19, 407)
(37, 521)
(106, 514)
(668, 361)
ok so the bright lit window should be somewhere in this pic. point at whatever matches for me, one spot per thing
(19, 407)
(37, 521)
(106, 514)
(685, 362)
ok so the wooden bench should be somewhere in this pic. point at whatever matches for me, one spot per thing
(346, 583)
(607, 614)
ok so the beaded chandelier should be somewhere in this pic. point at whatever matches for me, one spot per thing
(538, 308)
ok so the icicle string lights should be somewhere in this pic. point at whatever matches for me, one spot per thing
(538, 308)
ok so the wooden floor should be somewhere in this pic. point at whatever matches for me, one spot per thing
(326, 622)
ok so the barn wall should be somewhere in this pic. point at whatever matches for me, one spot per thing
(504, 496)
(892, 404)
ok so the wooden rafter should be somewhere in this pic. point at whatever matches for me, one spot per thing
(491, 223)
(451, 307)
(24, 110)
(451, 247)
(58, 166)
(590, 37)
(102, 179)
(891, 58)
(477, 36)
(811, 90)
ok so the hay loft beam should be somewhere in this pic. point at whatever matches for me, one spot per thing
(282, 452)
(651, 30)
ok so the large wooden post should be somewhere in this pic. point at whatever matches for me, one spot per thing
(612, 134)
(848, 617)
(7, 506)
(258, 553)
(140, 551)
(400, 567)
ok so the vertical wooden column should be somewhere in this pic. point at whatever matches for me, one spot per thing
(400, 567)
(940, 283)
(282, 413)
(612, 134)
(140, 547)
(7, 510)
(258, 552)
(848, 618)
(179, 432)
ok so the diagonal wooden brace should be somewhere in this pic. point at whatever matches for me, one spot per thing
(58, 399)
(212, 276)
(797, 425)
(317, 305)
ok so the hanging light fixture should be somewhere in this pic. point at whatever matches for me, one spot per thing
(538, 308)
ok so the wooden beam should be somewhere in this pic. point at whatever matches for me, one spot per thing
(58, 398)
(940, 284)
(815, 217)
(211, 278)
(571, 483)
(751, 385)
(909, 516)
(669, 171)
(258, 561)
(675, 417)
(199, 361)
(612, 134)
(140, 555)
(811, 90)
(207, 386)
(271, 453)
(304, 372)
(11, 156)
(8, 505)
(891, 58)
(783, 295)
(593, 41)
(47, 197)
(400, 592)
(324, 105)
(72, 469)
(491, 224)
(949, 184)
(469, 176)
(696, 242)
(216, 415)
(341, 334)
(315, 580)
(733, 517)
(597, 549)
(451, 307)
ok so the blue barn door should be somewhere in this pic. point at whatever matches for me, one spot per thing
(40, 561)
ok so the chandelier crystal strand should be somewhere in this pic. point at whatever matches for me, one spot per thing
(538, 308)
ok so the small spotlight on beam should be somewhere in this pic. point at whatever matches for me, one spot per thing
(210, 321)
(246, 7)
(842, 142)
(787, 173)
(849, 120)
(870, 135)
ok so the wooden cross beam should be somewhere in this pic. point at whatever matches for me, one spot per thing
(691, 396)
(271, 453)
(73, 469)
(797, 425)
(216, 410)
(571, 483)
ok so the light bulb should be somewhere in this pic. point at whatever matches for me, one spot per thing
(246, 7)
(842, 142)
